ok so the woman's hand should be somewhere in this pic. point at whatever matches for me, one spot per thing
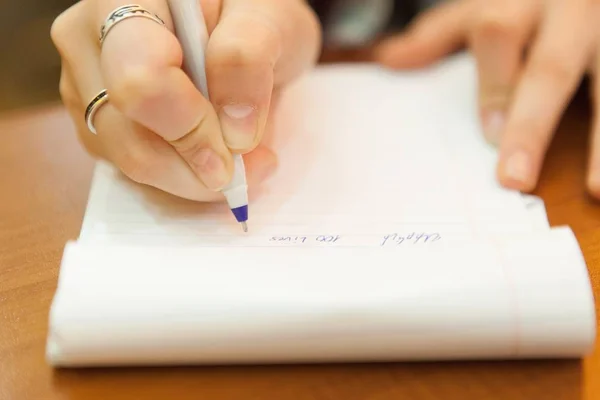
(531, 57)
(157, 127)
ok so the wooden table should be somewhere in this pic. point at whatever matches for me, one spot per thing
(45, 177)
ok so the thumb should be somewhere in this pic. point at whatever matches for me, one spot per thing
(256, 46)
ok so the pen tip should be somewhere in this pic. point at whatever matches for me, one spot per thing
(244, 226)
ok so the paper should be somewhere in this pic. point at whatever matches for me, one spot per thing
(383, 235)
(359, 149)
(524, 298)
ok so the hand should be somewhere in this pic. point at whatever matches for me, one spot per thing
(157, 127)
(531, 56)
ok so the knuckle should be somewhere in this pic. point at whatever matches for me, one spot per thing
(263, 46)
(67, 92)
(309, 27)
(554, 69)
(239, 55)
(61, 30)
(195, 140)
(134, 87)
(493, 22)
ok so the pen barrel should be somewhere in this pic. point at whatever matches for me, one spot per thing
(237, 190)
(191, 31)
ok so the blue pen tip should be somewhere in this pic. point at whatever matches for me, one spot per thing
(240, 213)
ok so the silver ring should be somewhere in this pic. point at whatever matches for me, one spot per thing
(124, 12)
(93, 107)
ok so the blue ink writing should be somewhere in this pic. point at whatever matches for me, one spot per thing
(412, 238)
(321, 239)
(289, 239)
(328, 239)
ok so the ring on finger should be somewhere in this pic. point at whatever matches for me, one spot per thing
(125, 12)
(94, 105)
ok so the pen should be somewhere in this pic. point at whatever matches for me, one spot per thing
(191, 30)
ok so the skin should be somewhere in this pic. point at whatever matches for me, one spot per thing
(531, 57)
(157, 127)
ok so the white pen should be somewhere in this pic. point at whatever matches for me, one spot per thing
(191, 30)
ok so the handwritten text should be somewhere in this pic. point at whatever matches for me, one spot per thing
(412, 238)
(381, 240)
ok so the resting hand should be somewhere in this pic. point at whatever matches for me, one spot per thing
(156, 126)
(531, 57)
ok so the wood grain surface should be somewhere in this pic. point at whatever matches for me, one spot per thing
(44, 179)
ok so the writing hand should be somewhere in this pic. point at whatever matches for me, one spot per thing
(531, 56)
(157, 127)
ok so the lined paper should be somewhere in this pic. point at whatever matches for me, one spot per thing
(361, 151)
(123, 305)
(383, 235)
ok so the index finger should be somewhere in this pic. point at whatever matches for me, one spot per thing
(142, 70)
(550, 78)
(141, 66)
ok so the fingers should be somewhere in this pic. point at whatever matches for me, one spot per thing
(70, 36)
(498, 36)
(434, 35)
(142, 155)
(71, 100)
(257, 46)
(555, 66)
(139, 152)
(141, 67)
(593, 179)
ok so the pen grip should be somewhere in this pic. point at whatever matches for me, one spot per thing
(192, 33)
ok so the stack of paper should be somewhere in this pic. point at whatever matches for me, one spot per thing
(383, 236)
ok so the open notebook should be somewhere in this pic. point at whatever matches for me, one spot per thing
(382, 236)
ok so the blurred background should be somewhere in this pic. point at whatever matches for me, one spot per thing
(29, 63)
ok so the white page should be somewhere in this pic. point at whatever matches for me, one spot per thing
(361, 151)
(524, 297)
(342, 212)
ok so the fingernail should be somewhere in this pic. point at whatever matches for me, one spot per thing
(493, 124)
(211, 169)
(518, 167)
(239, 124)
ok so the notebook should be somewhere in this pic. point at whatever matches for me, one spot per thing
(383, 235)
